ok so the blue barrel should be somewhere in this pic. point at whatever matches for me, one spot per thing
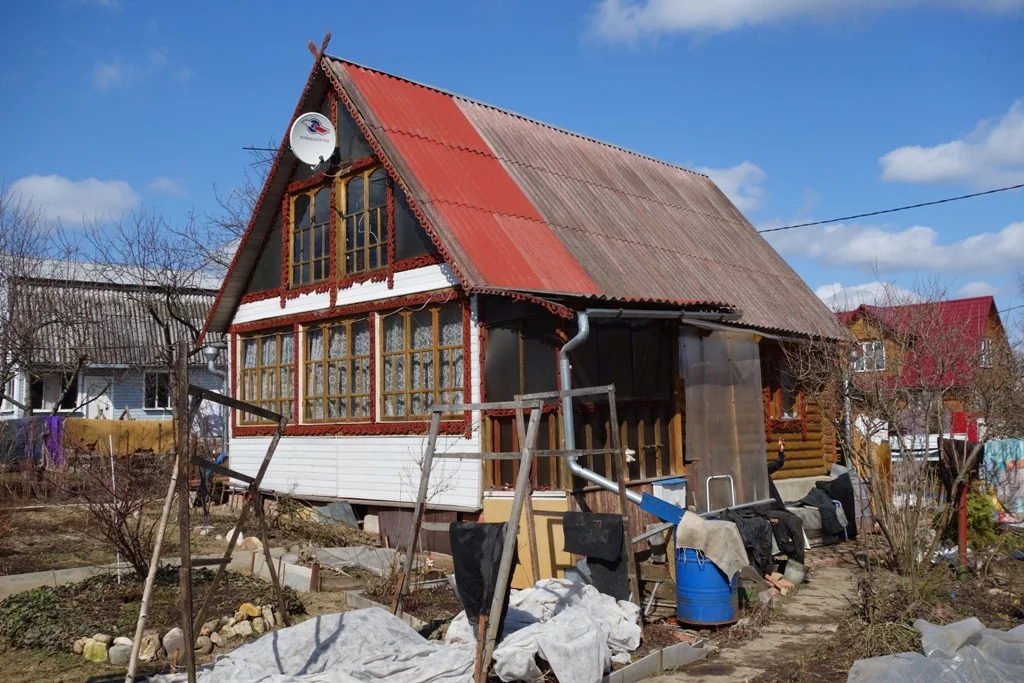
(704, 596)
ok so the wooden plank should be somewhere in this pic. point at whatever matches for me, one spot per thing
(220, 469)
(417, 519)
(181, 392)
(579, 391)
(210, 561)
(531, 529)
(207, 395)
(624, 506)
(511, 537)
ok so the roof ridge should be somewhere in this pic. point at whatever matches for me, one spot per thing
(516, 114)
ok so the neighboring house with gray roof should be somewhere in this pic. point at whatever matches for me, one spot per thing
(91, 339)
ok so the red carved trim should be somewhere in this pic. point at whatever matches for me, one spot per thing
(374, 394)
(467, 366)
(391, 232)
(443, 296)
(307, 184)
(551, 306)
(286, 241)
(253, 297)
(448, 427)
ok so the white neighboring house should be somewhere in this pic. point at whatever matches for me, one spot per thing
(90, 345)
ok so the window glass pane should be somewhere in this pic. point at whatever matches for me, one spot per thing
(450, 319)
(314, 343)
(322, 205)
(354, 195)
(338, 347)
(269, 356)
(422, 329)
(300, 217)
(287, 349)
(378, 187)
(361, 338)
(394, 332)
(249, 353)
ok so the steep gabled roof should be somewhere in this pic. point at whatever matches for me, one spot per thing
(968, 316)
(521, 206)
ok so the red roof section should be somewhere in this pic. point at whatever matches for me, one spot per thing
(498, 228)
(968, 316)
(945, 338)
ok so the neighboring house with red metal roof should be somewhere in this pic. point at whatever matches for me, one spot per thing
(935, 346)
(443, 256)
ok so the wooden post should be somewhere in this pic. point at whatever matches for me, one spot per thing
(242, 515)
(627, 534)
(417, 515)
(511, 533)
(184, 524)
(261, 519)
(147, 590)
(479, 670)
(531, 528)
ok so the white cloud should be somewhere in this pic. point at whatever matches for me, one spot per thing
(917, 248)
(76, 201)
(111, 74)
(175, 186)
(992, 154)
(977, 289)
(158, 60)
(630, 20)
(877, 293)
(742, 183)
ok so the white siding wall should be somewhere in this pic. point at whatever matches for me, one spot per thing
(414, 281)
(378, 468)
(373, 468)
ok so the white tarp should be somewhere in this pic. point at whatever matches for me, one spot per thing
(958, 653)
(574, 627)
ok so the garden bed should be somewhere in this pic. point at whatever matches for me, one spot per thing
(54, 618)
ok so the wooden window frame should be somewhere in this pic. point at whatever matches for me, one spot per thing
(863, 355)
(328, 252)
(384, 247)
(350, 359)
(282, 365)
(407, 352)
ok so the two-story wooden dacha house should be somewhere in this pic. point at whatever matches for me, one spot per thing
(444, 256)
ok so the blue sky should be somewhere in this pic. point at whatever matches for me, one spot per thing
(800, 109)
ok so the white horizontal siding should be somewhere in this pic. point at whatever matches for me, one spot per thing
(377, 468)
(425, 279)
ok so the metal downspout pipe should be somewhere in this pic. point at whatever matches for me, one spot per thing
(565, 368)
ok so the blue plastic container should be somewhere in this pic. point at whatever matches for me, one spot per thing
(704, 596)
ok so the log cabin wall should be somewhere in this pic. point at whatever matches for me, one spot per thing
(793, 415)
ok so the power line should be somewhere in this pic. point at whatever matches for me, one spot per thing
(898, 208)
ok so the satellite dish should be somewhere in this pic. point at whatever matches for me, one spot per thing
(312, 138)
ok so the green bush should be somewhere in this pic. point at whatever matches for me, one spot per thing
(981, 518)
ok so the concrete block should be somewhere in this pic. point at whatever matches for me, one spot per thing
(644, 668)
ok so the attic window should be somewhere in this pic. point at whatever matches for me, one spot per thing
(311, 236)
(363, 207)
(986, 353)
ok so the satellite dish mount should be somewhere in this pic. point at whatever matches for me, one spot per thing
(313, 139)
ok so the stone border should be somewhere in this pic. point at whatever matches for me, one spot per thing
(671, 657)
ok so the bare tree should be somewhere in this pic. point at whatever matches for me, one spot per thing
(898, 391)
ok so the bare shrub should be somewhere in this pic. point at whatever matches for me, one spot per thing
(115, 503)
